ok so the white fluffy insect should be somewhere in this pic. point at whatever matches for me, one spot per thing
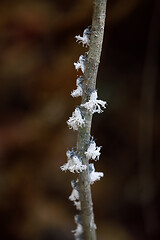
(94, 105)
(93, 152)
(79, 230)
(85, 39)
(73, 164)
(94, 176)
(80, 64)
(76, 120)
(78, 91)
(75, 196)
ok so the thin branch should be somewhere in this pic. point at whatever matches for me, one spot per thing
(83, 140)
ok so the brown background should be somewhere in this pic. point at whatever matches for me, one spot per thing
(36, 76)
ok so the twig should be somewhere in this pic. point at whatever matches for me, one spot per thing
(81, 120)
(83, 140)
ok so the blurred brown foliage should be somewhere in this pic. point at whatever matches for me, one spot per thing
(36, 76)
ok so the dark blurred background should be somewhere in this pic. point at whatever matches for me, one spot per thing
(36, 77)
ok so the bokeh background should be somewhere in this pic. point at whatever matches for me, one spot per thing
(37, 51)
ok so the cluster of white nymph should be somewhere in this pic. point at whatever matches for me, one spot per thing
(77, 121)
(93, 153)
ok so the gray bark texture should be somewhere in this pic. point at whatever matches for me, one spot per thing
(83, 139)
